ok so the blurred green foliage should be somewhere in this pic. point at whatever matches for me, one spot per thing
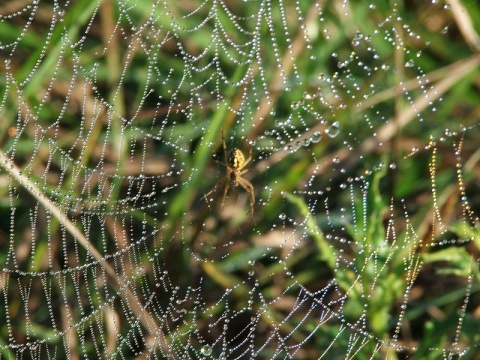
(354, 251)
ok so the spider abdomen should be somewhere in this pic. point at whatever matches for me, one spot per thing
(236, 159)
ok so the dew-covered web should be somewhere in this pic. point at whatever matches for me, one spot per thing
(117, 240)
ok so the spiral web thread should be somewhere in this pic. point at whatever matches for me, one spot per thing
(111, 114)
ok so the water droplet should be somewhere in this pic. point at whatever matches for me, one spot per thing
(333, 130)
(316, 137)
(206, 350)
(295, 105)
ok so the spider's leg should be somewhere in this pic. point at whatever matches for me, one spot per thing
(249, 156)
(244, 171)
(247, 185)
(225, 155)
(205, 196)
(225, 190)
(220, 162)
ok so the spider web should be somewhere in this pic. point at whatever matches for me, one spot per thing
(364, 238)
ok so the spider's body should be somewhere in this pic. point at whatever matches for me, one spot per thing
(235, 164)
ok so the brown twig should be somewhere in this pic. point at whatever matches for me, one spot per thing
(465, 24)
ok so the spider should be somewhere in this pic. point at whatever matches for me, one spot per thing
(235, 163)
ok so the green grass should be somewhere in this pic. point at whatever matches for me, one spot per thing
(363, 243)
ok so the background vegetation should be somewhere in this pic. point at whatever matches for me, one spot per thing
(363, 120)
